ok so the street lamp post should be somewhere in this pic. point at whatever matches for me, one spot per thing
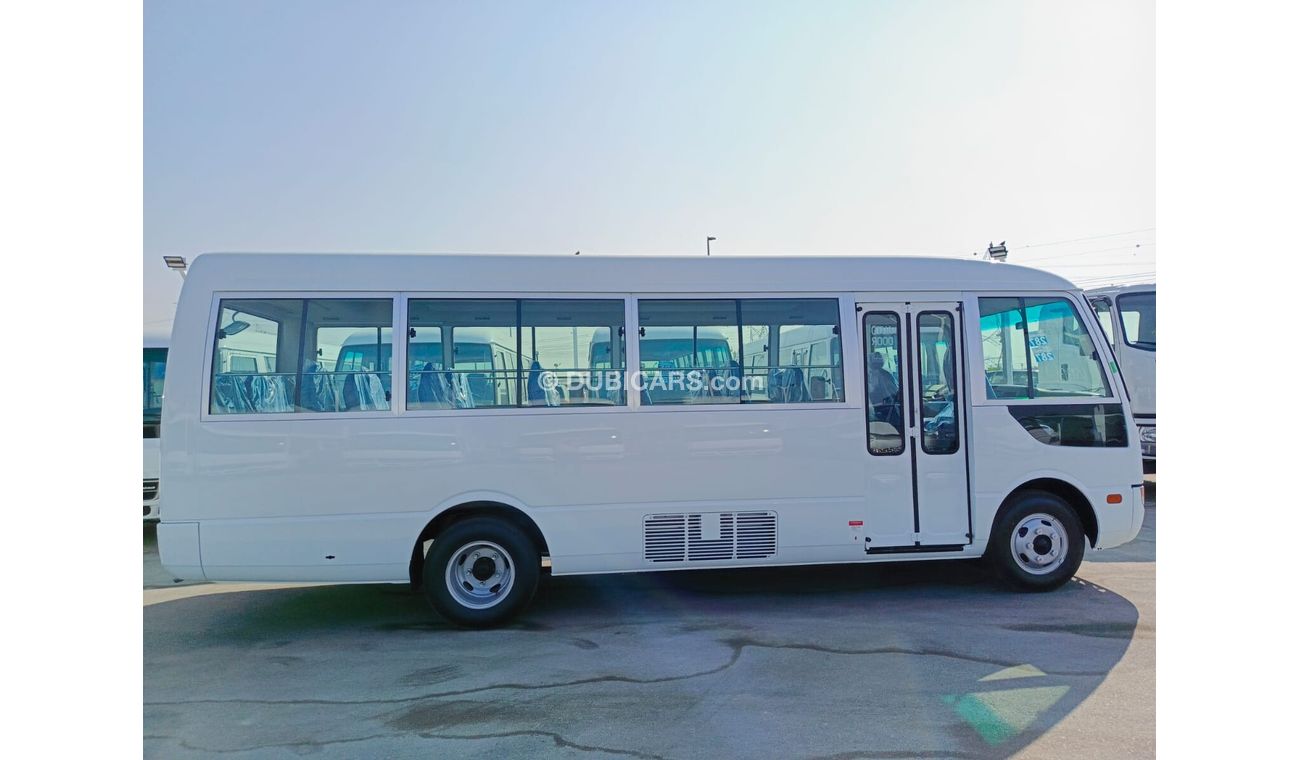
(708, 249)
(177, 264)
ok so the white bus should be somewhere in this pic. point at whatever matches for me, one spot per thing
(1128, 317)
(964, 412)
(155, 368)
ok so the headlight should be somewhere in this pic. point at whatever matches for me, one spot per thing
(1147, 434)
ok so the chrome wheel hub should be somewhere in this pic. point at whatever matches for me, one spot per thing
(1039, 544)
(480, 574)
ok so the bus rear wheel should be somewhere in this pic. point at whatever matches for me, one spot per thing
(481, 572)
(1037, 543)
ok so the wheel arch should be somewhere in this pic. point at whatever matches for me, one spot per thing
(486, 506)
(1064, 490)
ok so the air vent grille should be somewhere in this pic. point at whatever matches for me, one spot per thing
(755, 535)
(682, 537)
(150, 488)
(665, 538)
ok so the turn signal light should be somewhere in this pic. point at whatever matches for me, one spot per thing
(1114, 498)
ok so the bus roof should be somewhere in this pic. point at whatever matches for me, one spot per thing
(496, 273)
(1115, 290)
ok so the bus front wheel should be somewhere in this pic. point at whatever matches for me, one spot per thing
(481, 572)
(1037, 543)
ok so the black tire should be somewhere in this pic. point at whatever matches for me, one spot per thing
(1062, 518)
(518, 554)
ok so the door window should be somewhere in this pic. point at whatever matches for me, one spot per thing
(884, 391)
(936, 359)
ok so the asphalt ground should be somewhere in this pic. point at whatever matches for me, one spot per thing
(931, 660)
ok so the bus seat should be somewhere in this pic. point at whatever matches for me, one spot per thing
(705, 389)
(231, 394)
(734, 387)
(318, 389)
(537, 395)
(370, 392)
(819, 388)
(350, 396)
(789, 387)
(432, 388)
(310, 398)
(462, 394)
(269, 393)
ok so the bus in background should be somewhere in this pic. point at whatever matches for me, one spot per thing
(966, 413)
(1128, 317)
(155, 368)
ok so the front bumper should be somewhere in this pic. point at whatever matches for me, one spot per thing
(151, 498)
(1147, 439)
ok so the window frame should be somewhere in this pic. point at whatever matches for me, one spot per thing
(519, 299)
(958, 408)
(847, 302)
(1110, 310)
(847, 314)
(210, 335)
(974, 338)
(1119, 314)
(904, 392)
(508, 411)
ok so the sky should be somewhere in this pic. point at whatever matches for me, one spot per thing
(925, 127)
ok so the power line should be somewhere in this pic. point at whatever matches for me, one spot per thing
(1110, 264)
(1082, 239)
(1116, 279)
(1085, 253)
(1126, 274)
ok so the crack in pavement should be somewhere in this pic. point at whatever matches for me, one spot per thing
(738, 646)
(896, 755)
(301, 744)
(560, 742)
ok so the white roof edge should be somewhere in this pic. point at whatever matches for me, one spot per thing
(599, 273)
(1120, 288)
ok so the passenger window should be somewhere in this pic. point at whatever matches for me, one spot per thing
(884, 392)
(362, 330)
(690, 352)
(573, 352)
(1038, 348)
(777, 350)
(1102, 307)
(1137, 313)
(314, 355)
(472, 353)
(937, 359)
(462, 353)
(256, 343)
(792, 350)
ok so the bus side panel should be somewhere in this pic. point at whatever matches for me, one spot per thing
(178, 549)
(279, 497)
(370, 547)
(1004, 456)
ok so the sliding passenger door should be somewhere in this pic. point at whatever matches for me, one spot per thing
(915, 416)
